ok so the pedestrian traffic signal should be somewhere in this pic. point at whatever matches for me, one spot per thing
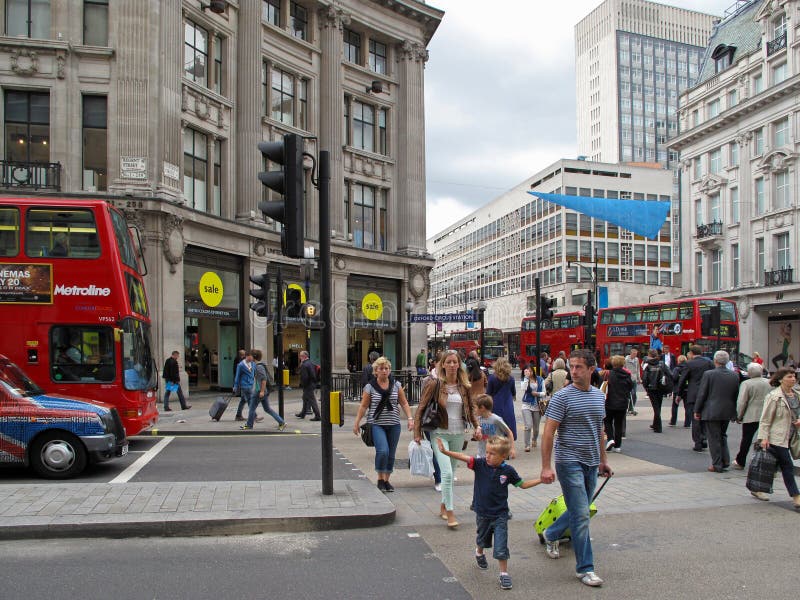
(294, 303)
(261, 294)
(289, 182)
(546, 306)
(308, 314)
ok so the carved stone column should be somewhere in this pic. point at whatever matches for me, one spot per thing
(331, 21)
(135, 107)
(248, 108)
(409, 199)
(169, 140)
(748, 276)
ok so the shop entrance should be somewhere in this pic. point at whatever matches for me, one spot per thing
(211, 349)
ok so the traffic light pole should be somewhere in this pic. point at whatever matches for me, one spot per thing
(538, 289)
(326, 298)
(279, 338)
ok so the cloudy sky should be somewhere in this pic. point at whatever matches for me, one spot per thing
(500, 97)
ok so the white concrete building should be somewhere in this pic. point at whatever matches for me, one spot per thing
(495, 253)
(739, 144)
(632, 60)
(158, 105)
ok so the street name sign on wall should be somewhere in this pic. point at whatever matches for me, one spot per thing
(464, 317)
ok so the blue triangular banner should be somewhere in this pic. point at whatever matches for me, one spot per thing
(644, 217)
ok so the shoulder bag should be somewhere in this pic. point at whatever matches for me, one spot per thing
(366, 434)
(430, 415)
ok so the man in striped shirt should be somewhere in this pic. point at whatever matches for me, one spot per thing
(576, 412)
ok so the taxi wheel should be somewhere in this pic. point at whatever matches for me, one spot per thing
(58, 455)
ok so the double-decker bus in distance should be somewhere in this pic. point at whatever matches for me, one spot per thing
(470, 339)
(680, 323)
(72, 303)
(564, 332)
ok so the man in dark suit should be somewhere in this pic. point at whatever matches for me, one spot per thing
(689, 385)
(668, 358)
(715, 405)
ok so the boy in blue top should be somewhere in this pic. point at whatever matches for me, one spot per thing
(490, 499)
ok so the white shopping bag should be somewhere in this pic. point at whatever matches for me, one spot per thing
(420, 458)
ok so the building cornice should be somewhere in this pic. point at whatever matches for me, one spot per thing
(735, 114)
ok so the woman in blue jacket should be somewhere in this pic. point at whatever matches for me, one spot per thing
(502, 389)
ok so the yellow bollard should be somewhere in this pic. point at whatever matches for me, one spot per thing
(285, 377)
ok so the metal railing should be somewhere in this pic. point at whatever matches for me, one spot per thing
(35, 175)
(776, 45)
(778, 276)
(349, 384)
(704, 231)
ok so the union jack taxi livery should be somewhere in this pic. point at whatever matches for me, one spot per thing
(55, 435)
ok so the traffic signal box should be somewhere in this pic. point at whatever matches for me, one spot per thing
(261, 294)
(289, 182)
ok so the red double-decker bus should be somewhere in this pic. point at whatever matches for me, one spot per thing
(73, 308)
(564, 332)
(470, 339)
(679, 323)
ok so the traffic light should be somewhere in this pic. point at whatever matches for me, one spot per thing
(294, 303)
(308, 314)
(589, 315)
(289, 182)
(261, 294)
(546, 307)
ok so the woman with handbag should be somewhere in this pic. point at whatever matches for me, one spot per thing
(533, 404)
(445, 408)
(778, 428)
(379, 400)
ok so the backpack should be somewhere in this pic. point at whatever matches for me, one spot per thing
(657, 379)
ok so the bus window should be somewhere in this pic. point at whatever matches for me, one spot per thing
(9, 231)
(137, 363)
(686, 311)
(634, 315)
(61, 232)
(136, 295)
(669, 313)
(727, 311)
(613, 316)
(81, 353)
(127, 253)
(650, 315)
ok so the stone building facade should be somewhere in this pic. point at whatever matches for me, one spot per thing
(158, 105)
(739, 145)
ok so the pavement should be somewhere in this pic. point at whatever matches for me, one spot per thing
(670, 478)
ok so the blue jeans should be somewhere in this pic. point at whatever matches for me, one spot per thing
(487, 526)
(577, 483)
(244, 400)
(385, 438)
(181, 398)
(253, 404)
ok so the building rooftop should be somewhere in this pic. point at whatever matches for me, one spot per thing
(738, 31)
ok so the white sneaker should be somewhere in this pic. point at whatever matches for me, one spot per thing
(761, 496)
(609, 445)
(589, 578)
(617, 450)
(437, 487)
(551, 549)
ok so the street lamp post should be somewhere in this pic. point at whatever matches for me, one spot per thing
(650, 297)
(409, 308)
(589, 312)
(481, 312)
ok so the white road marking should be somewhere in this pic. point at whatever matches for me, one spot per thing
(142, 461)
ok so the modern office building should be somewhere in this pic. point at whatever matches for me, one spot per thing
(739, 147)
(495, 253)
(158, 105)
(632, 60)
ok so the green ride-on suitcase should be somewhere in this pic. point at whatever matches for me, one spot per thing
(556, 508)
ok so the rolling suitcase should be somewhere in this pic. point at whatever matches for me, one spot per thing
(556, 508)
(218, 408)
